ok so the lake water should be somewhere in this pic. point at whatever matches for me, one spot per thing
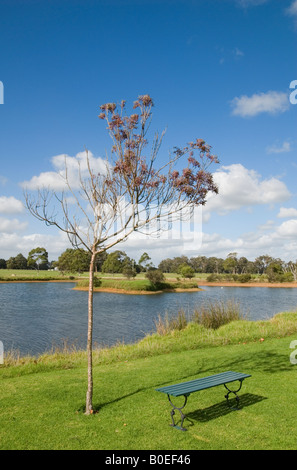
(34, 317)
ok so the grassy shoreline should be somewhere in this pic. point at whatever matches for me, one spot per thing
(42, 399)
(189, 336)
(138, 286)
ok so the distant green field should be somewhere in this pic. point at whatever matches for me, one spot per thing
(110, 281)
(31, 274)
(27, 275)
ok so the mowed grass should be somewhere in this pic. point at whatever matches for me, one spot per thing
(42, 399)
(32, 274)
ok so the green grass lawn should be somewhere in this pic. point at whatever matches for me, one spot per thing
(42, 400)
(31, 274)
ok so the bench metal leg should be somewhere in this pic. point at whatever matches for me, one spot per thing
(236, 396)
(180, 411)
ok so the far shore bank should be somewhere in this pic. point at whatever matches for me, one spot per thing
(247, 284)
(200, 284)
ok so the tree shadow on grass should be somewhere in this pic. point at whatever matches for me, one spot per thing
(263, 361)
(221, 409)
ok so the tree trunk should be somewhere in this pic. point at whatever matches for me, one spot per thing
(89, 398)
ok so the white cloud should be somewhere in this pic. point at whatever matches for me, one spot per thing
(11, 225)
(285, 213)
(284, 148)
(12, 243)
(272, 102)
(280, 242)
(10, 205)
(240, 187)
(55, 180)
(266, 226)
(288, 229)
(292, 9)
(48, 179)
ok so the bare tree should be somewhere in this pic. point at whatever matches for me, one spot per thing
(292, 268)
(128, 195)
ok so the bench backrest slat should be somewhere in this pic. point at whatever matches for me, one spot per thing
(185, 388)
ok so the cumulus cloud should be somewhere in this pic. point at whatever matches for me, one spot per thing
(10, 205)
(266, 226)
(272, 102)
(76, 166)
(285, 213)
(240, 187)
(280, 242)
(288, 229)
(13, 242)
(284, 148)
(11, 225)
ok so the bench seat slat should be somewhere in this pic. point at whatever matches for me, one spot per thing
(185, 388)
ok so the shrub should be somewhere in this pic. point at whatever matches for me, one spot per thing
(244, 277)
(129, 272)
(85, 282)
(165, 325)
(213, 277)
(288, 277)
(280, 277)
(155, 276)
(97, 281)
(211, 316)
(216, 314)
(186, 271)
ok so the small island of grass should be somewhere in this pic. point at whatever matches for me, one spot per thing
(137, 286)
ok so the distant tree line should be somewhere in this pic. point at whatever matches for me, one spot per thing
(37, 259)
(237, 268)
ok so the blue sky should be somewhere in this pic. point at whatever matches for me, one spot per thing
(218, 70)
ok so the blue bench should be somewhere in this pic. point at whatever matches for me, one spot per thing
(186, 388)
